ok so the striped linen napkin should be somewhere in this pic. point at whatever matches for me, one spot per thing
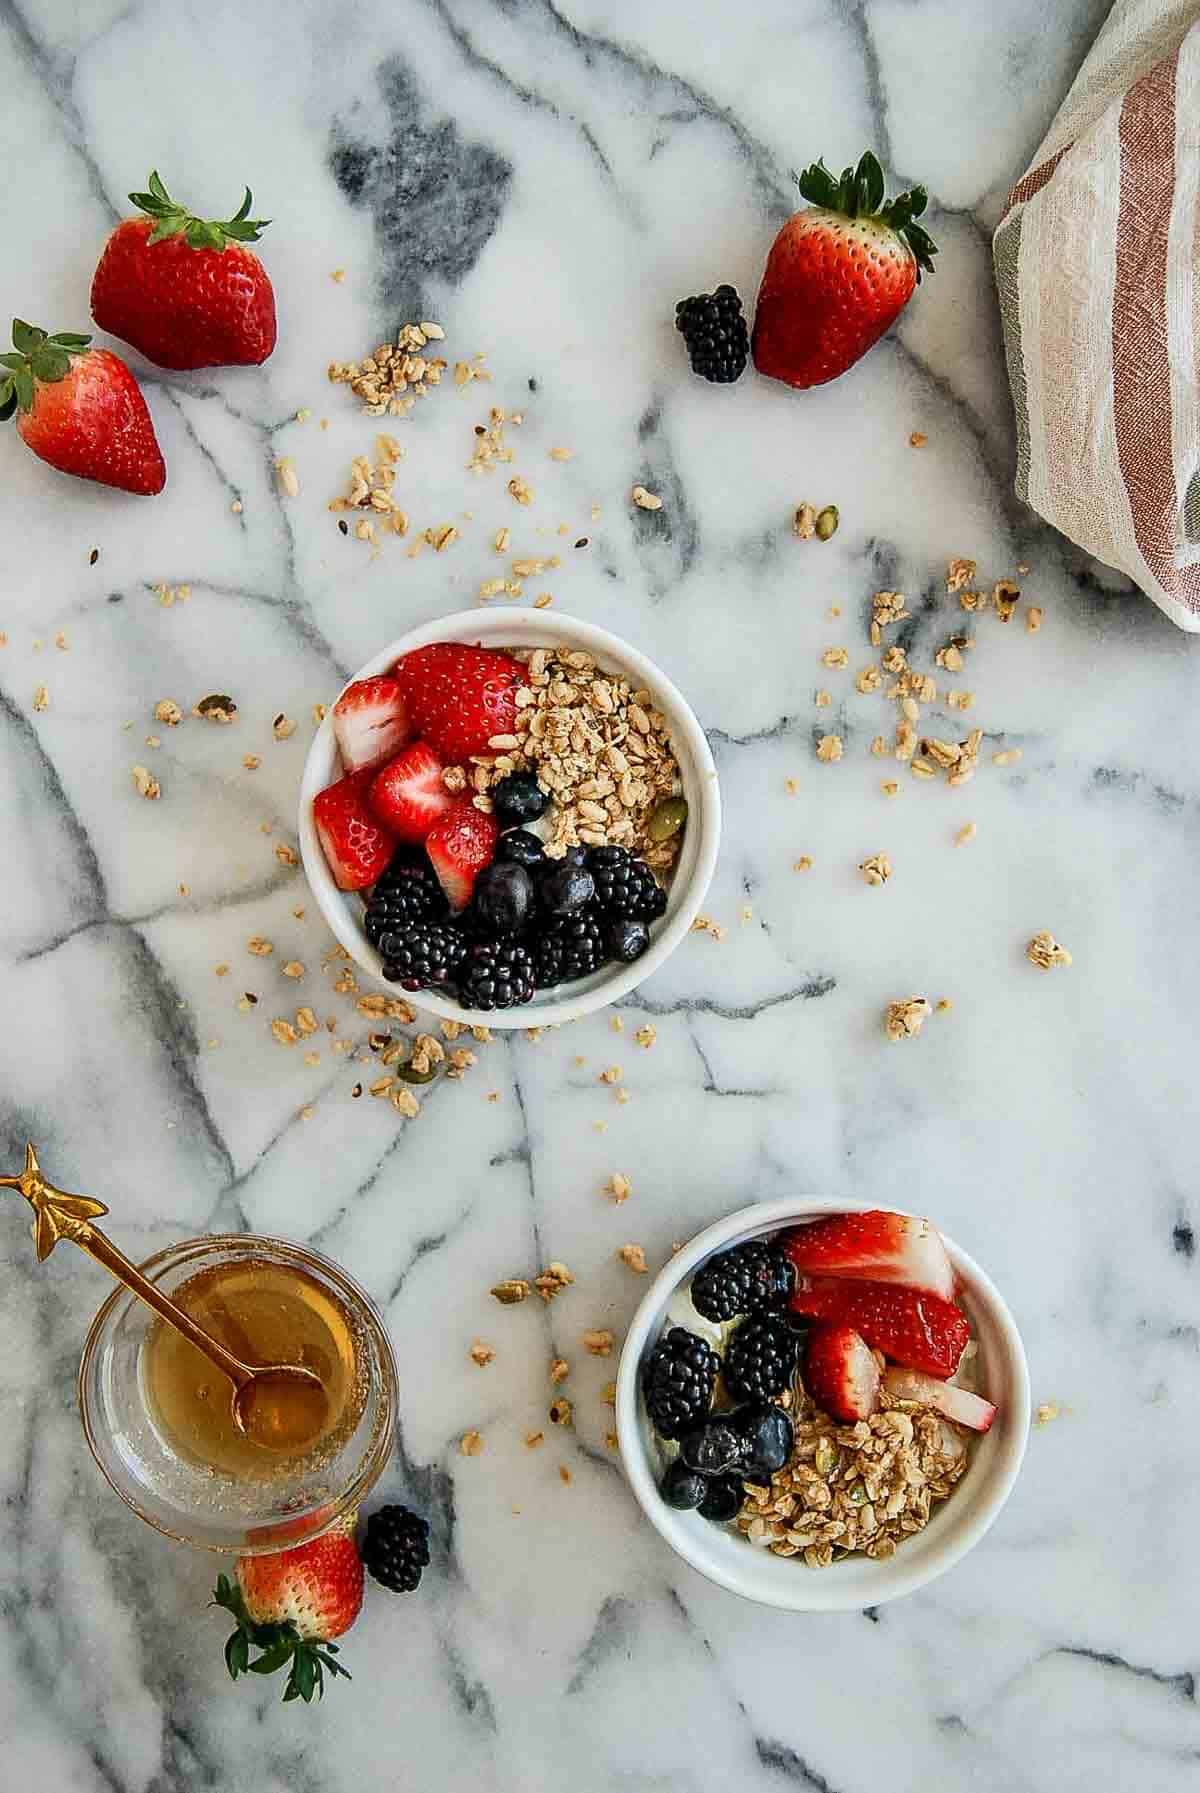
(1097, 264)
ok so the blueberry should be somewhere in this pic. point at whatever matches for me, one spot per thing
(566, 890)
(767, 1432)
(518, 799)
(519, 847)
(627, 939)
(722, 1501)
(574, 856)
(714, 1448)
(503, 898)
(682, 1488)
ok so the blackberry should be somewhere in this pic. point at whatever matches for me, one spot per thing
(760, 1358)
(496, 974)
(568, 946)
(625, 885)
(712, 326)
(408, 891)
(518, 799)
(678, 1382)
(745, 1280)
(425, 955)
(396, 1548)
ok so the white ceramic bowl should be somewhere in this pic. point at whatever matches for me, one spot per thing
(693, 869)
(958, 1523)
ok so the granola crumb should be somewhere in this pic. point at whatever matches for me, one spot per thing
(551, 1281)
(167, 711)
(611, 1074)
(830, 748)
(1047, 1413)
(879, 747)
(791, 786)
(1008, 757)
(513, 1290)
(560, 1369)
(917, 439)
(966, 833)
(877, 869)
(471, 1443)
(646, 501)
(634, 1258)
(61, 642)
(890, 788)
(293, 968)
(41, 698)
(1046, 952)
(804, 522)
(562, 1411)
(943, 1005)
(597, 1342)
(835, 657)
(1006, 594)
(564, 1475)
(283, 727)
(338, 275)
(533, 1440)
(619, 1187)
(803, 864)
(520, 490)
(286, 855)
(284, 1032)
(1033, 618)
(481, 1354)
(646, 1036)
(905, 1019)
(221, 970)
(251, 762)
(259, 946)
(285, 471)
(959, 573)
(145, 785)
(823, 700)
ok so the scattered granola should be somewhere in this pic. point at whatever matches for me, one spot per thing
(959, 573)
(905, 1019)
(887, 607)
(966, 833)
(285, 472)
(1033, 618)
(560, 1369)
(552, 1281)
(145, 785)
(390, 381)
(803, 864)
(562, 1412)
(471, 1443)
(512, 1291)
(1006, 595)
(1046, 952)
(634, 1258)
(646, 501)
(283, 727)
(835, 657)
(646, 1036)
(917, 439)
(482, 1354)
(877, 869)
(41, 698)
(1047, 1413)
(166, 710)
(261, 948)
(598, 1342)
(619, 1187)
(533, 1439)
(1008, 757)
(830, 748)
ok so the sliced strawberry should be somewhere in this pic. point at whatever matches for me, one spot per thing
(459, 846)
(459, 698)
(408, 795)
(917, 1329)
(840, 1372)
(877, 1246)
(959, 1404)
(369, 722)
(355, 844)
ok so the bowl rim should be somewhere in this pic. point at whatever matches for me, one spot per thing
(374, 1462)
(818, 1593)
(506, 627)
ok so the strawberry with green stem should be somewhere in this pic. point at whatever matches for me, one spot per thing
(289, 1606)
(80, 409)
(186, 291)
(839, 274)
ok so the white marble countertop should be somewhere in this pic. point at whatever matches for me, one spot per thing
(546, 180)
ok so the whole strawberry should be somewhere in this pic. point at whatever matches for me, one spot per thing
(289, 1606)
(80, 409)
(838, 275)
(184, 290)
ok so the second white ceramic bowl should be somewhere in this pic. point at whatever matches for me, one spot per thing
(693, 870)
(1001, 1374)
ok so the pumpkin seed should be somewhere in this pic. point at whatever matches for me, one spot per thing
(667, 818)
(827, 1457)
(409, 1073)
(827, 522)
(856, 1494)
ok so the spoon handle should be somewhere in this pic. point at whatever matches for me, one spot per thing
(99, 1246)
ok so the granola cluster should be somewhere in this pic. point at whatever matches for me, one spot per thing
(861, 1488)
(597, 745)
(390, 381)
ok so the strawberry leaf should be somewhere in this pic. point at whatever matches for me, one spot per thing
(22, 380)
(67, 339)
(273, 1657)
(173, 219)
(26, 337)
(237, 1653)
(8, 400)
(870, 184)
(817, 185)
(12, 361)
(50, 364)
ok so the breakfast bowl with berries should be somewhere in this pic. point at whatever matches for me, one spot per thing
(822, 1406)
(512, 817)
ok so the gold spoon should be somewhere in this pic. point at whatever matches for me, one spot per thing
(281, 1406)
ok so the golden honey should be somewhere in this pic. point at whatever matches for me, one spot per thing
(264, 1313)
